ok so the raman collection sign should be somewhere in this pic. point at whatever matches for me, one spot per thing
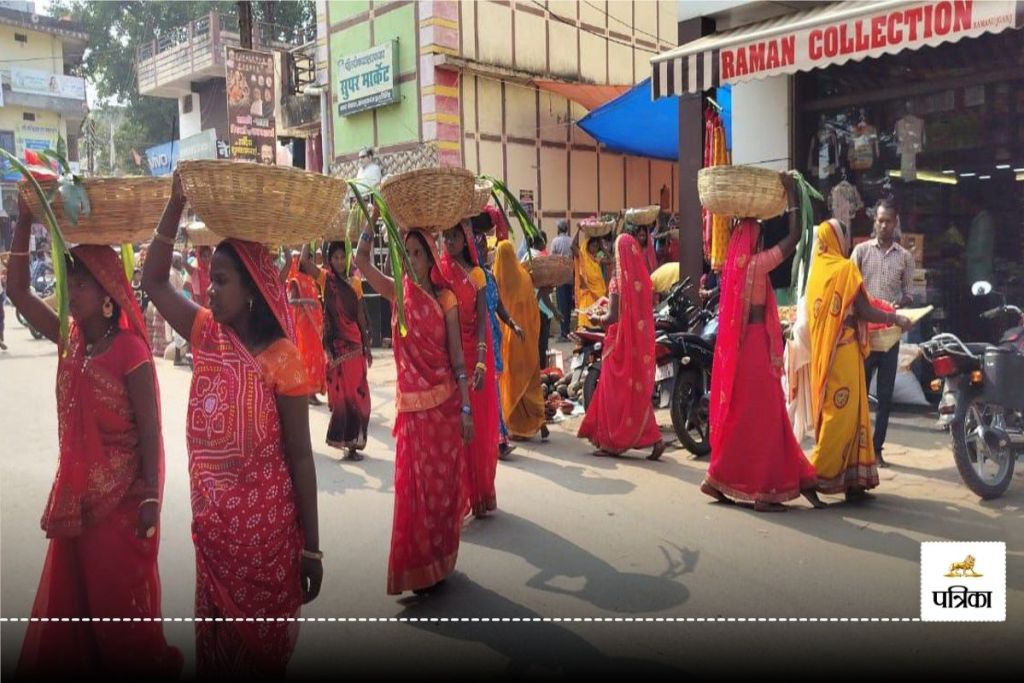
(367, 79)
(884, 32)
(252, 132)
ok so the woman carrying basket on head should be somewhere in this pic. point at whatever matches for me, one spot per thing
(435, 421)
(754, 455)
(103, 514)
(254, 507)
(838, 309)
(460, 266)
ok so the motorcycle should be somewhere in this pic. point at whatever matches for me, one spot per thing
(982, 395)
(684, 351)
(45, 286)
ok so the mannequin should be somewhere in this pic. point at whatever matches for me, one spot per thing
(864, 149)
(909, 142)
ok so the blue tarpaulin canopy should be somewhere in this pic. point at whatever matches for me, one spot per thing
(634, 124)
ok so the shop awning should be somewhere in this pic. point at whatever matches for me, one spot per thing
(588, 96)
(825, 36)
(633, 124)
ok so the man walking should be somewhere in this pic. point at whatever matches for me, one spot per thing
(562, 246)
(887, 269)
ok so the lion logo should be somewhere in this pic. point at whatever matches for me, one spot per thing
(837, 304)
(841, 398)
(963, 569)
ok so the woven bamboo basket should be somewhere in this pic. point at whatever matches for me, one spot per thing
(481, 196)
(884, 339)
(643, 215)
(431, 199)
(266, 204)
(550, 271)
(597, 227)
(741, 191)
(348, 224)
(199, 235)
(122, 209)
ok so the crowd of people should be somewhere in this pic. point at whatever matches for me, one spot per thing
(265, 338)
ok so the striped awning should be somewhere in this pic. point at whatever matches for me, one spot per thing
(825, 36)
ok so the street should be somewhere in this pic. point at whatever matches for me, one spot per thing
(575, 536)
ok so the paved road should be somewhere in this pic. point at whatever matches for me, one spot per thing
(575, 537)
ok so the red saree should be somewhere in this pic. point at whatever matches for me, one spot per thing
(429, 452)
(348, 392)
(620, 416)
(95, 565)
(482, 452)
(309, 327)
(245, 522)
(754, 455)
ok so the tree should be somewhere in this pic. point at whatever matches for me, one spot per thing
(116, 31)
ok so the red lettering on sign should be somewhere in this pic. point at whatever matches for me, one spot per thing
(773, 55)
(927, 21)
(788, 50)
(911, 18)
(831, 42)
(814, 44)
(962, 11)
(728, 64)
(943, 18)
(755, 53)
(895, 34)
(863, 41)
(741, 62)
(877, 32)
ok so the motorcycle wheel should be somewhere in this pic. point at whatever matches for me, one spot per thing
(590, 384)
(986, 471)
(689, 408)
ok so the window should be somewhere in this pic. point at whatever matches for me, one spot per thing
(28, 116)
(20, 38)
(186, 104)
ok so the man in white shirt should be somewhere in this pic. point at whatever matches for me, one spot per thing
(369, 170)
(887, 269)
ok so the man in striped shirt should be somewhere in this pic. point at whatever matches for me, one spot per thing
(887, 269)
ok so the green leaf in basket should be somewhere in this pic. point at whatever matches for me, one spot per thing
(128, 260)
(58, 247)
(75, 200)
(522, 216)
(399, 259)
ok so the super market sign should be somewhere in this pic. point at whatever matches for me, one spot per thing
(367, 79)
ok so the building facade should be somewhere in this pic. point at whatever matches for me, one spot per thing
(39, 99)
(497, 87)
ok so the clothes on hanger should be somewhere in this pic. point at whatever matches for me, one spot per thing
(845, 201)
(909, 143)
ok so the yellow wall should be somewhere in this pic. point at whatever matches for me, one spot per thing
(41, 52)
(11, 119)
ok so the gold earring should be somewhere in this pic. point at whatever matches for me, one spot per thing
(108, 308)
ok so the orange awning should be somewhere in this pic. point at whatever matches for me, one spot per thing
(586, 95)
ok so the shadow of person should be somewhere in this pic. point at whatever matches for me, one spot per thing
(336, 475)
(532, 648)
(571, 477)
(604, 587)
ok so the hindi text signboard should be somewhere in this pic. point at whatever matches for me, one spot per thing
(252, 132)
(367, 79)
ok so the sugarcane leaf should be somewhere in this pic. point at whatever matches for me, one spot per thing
(128, 260)
(57, 158)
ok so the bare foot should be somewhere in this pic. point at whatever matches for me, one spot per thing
(812, 497)
(657, 451)
(601, 453)
(505, 451)
(761, 506)
(353, 455)
(544, 433)
(710, 490)
(880, 461)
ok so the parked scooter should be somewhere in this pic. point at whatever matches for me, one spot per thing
(983, 395)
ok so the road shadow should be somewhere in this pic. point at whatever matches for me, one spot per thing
(336, 476)
(569, 476)
(891, 525)
(604, 586)
(533, 648)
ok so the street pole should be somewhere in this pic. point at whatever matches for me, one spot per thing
(245, 24)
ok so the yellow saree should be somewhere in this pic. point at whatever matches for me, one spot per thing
(522, 401)
(590, 284)
(843, 455)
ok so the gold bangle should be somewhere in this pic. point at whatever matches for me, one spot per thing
(312, 554)
(160, 237)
